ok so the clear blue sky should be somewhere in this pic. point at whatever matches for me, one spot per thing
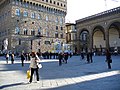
(77, 9)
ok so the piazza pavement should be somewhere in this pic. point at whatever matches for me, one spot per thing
(77, 74)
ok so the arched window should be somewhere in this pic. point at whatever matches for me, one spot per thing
(25, 13)
(32, 15)
(26, 4)
(17, 12)
(61, 28)
(61, 21)
(25, 31)
(83, 36)
(56, 20)
(32, 32)
(56, 34)
(56, 27)
(39, 31)
(61, 35)
(46, 18)
(39, 16)
(19, 41)
(17, 30)
(17, 2)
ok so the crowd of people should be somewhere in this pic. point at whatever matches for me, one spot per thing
(61, 56)
(52, 55)
(10, 56)
(90, 54)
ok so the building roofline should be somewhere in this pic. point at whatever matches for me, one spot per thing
(99, 14)
(69, 24)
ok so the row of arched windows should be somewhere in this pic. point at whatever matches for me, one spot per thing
(38, 16)
(33, 32)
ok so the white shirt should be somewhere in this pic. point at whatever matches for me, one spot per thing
(33, 63)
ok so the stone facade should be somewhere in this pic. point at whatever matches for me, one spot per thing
(99, 31)
(71, 36)
(32, 25)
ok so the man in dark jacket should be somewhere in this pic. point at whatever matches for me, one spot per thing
(22, 59)
(60, 57)
(108, 58)
(66, 57)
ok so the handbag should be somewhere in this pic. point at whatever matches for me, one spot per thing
(110, 61)
(28, 74)
(39, 65)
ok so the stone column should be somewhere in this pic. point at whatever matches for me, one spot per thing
(107, 38)
(90, 42)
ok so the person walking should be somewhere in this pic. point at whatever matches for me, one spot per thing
(7, 57)
(28, 56)
(60, 57)
(22, 59)
(82, 55)
(91, 54)
(34, 66)
(12, 58)
(66, 57)
(108, 58)
(88, 57)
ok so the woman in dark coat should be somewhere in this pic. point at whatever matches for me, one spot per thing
(108, 59)
(60, 57)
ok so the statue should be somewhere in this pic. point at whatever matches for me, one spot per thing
(6, 44)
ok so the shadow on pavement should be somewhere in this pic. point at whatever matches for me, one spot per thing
(10, 85)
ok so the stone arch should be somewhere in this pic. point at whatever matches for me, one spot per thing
(114, 35)
(98, 36)
(83, 37)
(116, 25)
(84, 30)
(98, 28)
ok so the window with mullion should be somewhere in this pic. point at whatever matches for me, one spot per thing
(25, 13)
(39, 31)
(17, 30)
(56, 34)
(33, 32)
(25, 31)
(17, 12)
(32, 15)
(39, 16)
